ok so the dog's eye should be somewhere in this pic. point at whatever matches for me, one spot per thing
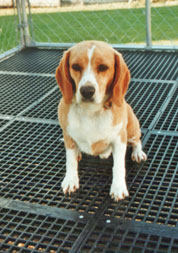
(76, 67)
(102, 68)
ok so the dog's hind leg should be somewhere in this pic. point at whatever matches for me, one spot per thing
(133, 137)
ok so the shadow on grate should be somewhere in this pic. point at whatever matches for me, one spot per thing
(35, 216)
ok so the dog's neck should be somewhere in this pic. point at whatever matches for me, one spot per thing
(89, 108)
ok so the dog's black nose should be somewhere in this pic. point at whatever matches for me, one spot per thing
(87, 91)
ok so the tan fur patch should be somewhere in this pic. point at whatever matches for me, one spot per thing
(99, 147)
(63, 110)
(133, 126)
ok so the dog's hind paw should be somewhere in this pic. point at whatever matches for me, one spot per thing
(138, 155)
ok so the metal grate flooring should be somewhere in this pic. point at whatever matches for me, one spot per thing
(35, 216)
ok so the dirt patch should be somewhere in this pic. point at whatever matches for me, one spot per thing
(93, 7)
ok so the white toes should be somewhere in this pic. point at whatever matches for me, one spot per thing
(118, 192)
(138, 156)
(70, 184)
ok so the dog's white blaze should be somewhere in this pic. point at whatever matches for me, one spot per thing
(89, 77)
(87, 128)
(90, 54)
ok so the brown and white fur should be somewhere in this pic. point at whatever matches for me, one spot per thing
(93, 113)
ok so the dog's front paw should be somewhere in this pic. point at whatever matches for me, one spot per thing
(118, 191)
(70, 184)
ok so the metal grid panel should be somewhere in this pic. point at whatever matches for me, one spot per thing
(116, 237)
(35, 149)
(145, 101)
(152, 65)
(20, 91)
(23, 231)
(47, 108)
(27, 232)
(38, 167)
(147, 98)
(169, 118)
(3, 122)
(152, 187)
(33, 60)
(33, 165)
(145, 109)
(146, 65)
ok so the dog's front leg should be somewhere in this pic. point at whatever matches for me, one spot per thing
(118, 188)
(71, 179)
(70, 182)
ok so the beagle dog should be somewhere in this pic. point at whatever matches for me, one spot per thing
(93, 113)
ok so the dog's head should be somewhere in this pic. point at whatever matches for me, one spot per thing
(93, 72)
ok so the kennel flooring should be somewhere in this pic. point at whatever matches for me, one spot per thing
(35, 216)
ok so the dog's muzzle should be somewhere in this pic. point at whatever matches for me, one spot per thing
(87, 92)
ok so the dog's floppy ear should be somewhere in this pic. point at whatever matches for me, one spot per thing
(121, 79)
(64, 80)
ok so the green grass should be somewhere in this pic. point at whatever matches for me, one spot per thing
(8, 36)
(114, 26)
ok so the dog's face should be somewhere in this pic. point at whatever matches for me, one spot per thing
(92, 69)
(92, 72)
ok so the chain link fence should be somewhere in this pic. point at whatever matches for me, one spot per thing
(121, 23)
(104, 22)
(164, 24)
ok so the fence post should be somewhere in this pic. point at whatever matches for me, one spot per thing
(20, 26)
(23, 23)
(148, 24)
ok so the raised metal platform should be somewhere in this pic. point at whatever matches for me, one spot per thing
(35, 216)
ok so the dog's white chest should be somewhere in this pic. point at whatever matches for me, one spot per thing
(86, 128)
